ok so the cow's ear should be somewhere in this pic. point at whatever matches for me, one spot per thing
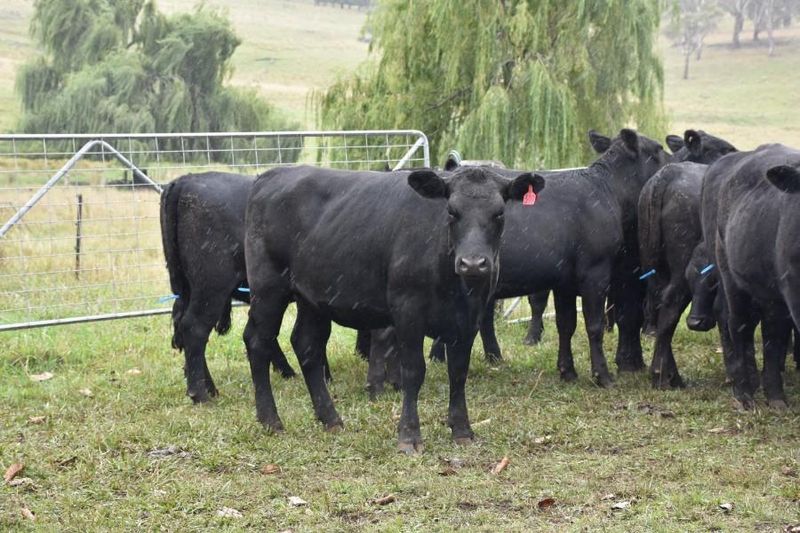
(694, 142)
(599, 142)
(428, 184)
(519, 186)
(630, 139)
(675, 143)
(785, 178)
(453, 160)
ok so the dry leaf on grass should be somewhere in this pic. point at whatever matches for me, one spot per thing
(788, 471)
(27, 513)
(609, 496)
(499, 467)
(134, 372)
(385, 500)
(543, 440)
(12, 471)
(44, 376)
(168, 452)
(621, 506)
(792, 529)
(21, 482)
(447, 471)
(296, 501)
(228, 512)
(727, 507)
(36, 419)
(86, 392)
(270, 469)
(482, 423)
(546, 503)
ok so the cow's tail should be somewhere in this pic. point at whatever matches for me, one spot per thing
(650, 238)
(169, 236)
(224, 322)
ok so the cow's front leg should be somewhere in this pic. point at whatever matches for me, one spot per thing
(457, 369)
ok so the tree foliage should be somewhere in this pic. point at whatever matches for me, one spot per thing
(516, 80)
(122, 66)
(690, 22)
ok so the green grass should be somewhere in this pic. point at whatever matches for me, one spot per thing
(576, 443)
(89, 462)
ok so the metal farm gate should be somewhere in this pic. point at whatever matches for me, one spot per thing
(81, 239)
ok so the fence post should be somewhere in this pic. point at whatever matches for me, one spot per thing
(78, 222)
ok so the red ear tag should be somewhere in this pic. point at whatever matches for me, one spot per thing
(529, 198)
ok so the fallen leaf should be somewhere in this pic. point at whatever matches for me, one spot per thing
(36, 419)
(546, 503)
(788, 471)
(609, 496)
(295, 501)
(385, 500)
(620, 506)
(86, 392)
(792, 529)
(270, 469)
(447, 471)
(228, 512)
(542, 440)
(499, 467)
(727, 507)
(134, 372)
(12, 471)
(455, 462)
(482, 422)
(44, 376)
(21, 482)
(717, 430)
(168, 451)
(27, 514)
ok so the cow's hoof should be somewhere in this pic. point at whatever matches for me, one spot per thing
(627, 365)
(662, 382)
(744, 402)
(410, 448)
(464, 441)
(777, 404)
(334, 427)
(199, 396)
(288, 373)
(274, 427)
(531, 341)
(604, 380)
(494, 358)
(569, 375)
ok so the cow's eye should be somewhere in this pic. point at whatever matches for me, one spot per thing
(498, 216)
(453, 214)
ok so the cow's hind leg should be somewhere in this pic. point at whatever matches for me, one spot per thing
(742, 322)
(776, 330)
(309, 339)
(261, 340)
(438, 351)
(382, 349)
(538, 303)
(664, 370)
(195, 326)
(593, 302)
(566, 322)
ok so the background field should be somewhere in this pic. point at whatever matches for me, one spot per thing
(676, 456)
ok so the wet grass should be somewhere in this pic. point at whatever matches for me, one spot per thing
(675, 455)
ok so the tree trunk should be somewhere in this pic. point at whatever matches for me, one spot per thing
(738, 24)
(699, 54)
(770, 16)
(686, 57)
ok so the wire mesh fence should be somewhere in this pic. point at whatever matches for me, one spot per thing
(81, 238)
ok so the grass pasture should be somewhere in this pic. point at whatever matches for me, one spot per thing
(91, 436)
(676, 456)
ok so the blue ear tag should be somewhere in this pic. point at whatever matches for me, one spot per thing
(165, 299)
(647, 274)
(243, 289)
(707, 269)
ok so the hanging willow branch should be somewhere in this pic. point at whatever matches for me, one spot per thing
(520, 81)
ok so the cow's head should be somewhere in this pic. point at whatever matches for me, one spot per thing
(476, 199)
(630, 154)
(698, 146)
(701, 274)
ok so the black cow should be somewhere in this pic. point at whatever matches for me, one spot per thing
(369, 250)
(579, 242)
(751, 213)
(202, 229)
(669, 232)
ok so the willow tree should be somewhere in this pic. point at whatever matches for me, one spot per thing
(123, 66)
(521, 81)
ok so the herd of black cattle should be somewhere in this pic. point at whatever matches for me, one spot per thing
(408, 254)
